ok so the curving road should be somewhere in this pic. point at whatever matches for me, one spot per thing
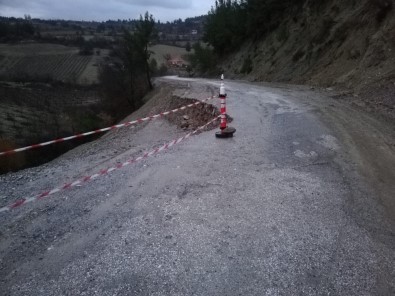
(300, 202)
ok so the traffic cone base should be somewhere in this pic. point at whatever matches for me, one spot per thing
(226, 133)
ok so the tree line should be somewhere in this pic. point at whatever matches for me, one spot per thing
(19, 29)
(231, 22)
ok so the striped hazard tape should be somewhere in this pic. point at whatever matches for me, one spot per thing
(141, 120)
(24, 201)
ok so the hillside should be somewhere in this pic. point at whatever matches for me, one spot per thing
(345, 45)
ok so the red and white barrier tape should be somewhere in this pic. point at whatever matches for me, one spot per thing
(141, 120)
(24, 201)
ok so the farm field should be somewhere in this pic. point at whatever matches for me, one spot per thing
(35, 49)
(49, 60)
(91, 71)
(63, 63)
(62, 67)
(160, 50)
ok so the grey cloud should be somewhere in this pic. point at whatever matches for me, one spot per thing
(104, 9)
(158, 3)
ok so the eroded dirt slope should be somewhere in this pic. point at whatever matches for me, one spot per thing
(348, 45)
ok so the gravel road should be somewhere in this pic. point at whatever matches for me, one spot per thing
(300, 202)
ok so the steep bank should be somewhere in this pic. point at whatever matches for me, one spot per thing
(36, 113)
(348, 45)
(32, 113)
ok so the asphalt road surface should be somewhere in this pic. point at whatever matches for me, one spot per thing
(300, 202)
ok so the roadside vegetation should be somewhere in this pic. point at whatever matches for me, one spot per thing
(17, 30)
(59, 77)
(231, 22)
(347, 46)
(128, 78)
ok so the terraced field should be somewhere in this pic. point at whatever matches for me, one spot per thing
(62, 67)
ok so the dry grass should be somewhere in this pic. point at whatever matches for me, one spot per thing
(91, 73)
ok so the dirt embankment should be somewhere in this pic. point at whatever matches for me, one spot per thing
(35, 113)
(345, 45)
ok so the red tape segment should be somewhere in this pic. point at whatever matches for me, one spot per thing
(23, 201)
(141, 120)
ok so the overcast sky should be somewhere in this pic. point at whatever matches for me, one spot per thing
(164, 10)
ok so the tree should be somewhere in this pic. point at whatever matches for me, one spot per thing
(204, 60)
(133, 65)
(4, 29)
(225, 26)
(135, 56)
(230, 22)
(144, 34)
(101, 28)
